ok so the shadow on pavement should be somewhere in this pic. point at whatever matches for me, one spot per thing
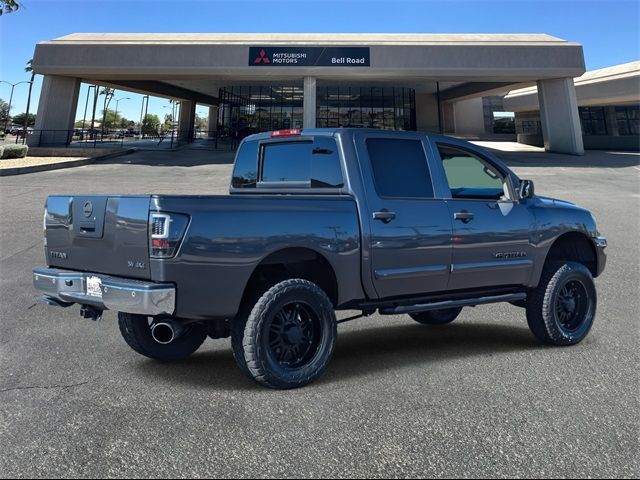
(359, 353)
(177, 158)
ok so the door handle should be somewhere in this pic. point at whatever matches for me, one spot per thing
(463, 216)
(384, 215)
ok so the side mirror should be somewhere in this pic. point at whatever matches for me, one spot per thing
(527, 189)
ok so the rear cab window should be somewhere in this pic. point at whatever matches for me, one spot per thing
(298, 163)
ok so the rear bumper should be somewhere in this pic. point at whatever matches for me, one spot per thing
(119, 294)
(600, 243)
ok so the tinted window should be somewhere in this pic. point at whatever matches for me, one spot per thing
(399, 168)
(315, 162)
(469, 176)
(246, 167)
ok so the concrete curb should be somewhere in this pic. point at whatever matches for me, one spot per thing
(5, 172)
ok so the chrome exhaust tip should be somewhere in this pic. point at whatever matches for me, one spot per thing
(164, 332)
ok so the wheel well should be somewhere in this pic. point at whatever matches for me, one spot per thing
(574, 247)
(291, 263)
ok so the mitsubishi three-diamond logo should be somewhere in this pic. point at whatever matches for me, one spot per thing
(262, 58)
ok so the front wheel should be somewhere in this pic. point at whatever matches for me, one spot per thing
(437, 317)
(290, 335)
(136, 331)
(561, 309)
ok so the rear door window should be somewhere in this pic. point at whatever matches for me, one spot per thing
(400, 168)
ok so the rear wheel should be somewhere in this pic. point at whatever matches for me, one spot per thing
(290, 335)
(437, 317)
(136, 331)
(561, 309)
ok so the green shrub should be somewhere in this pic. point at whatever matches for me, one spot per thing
(1, 150)
(14, 151)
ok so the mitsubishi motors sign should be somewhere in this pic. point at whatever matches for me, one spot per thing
(309, 56)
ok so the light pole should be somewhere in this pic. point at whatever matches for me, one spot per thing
(124, 98)
(202, 115)
(13, 85)
(116, 118)
(144, 99)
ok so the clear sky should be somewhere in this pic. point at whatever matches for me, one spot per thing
(608, 29)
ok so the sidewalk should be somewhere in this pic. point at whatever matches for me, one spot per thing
(19, 166)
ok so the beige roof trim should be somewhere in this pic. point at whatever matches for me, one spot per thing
(364, 39)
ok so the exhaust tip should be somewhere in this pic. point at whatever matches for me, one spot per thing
(163, 333)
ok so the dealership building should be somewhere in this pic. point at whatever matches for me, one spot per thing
(258, 82)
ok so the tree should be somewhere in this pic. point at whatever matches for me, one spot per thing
(8, 6)
(110, 119)
(29, 69)
(21, 119)
(4, 112)
(168, 122)
(150, 124)
(202, 123)
(108, 95)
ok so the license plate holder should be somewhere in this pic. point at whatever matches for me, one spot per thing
(94, 287)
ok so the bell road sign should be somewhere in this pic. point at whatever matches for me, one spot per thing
(309, 56)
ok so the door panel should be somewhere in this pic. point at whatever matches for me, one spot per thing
(492, 233)
(494, 247)
(409, 229)
(412, 253)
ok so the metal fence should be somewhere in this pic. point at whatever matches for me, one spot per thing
(119, 139)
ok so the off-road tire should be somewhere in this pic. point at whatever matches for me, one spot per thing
(136, 332)
(544, 303)
(261, 360)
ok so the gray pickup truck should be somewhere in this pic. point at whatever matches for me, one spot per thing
(317, 221)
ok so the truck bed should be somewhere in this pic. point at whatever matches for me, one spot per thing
(226, 238)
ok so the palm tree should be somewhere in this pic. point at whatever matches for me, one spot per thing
(108, 95)
(8, 6)
(29, 69)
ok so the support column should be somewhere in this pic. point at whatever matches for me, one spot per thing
(187, 120)
(213, 121)
(56, 111)
(559, 116)
(309, 103)
(448, 117)
(611, 121)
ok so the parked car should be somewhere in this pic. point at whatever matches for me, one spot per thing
(318, 221)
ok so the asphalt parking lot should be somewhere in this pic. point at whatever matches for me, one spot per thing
(478, 398)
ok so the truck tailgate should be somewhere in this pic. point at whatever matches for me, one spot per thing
(102, 234)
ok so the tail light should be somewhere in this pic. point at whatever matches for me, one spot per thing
(165, 233)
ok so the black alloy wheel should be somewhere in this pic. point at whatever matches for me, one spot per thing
(572, 305)
(294, 335)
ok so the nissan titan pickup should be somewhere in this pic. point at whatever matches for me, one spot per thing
(317, 221)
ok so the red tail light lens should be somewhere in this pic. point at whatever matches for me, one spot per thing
(165, 233)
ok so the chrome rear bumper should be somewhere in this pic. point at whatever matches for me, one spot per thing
(119, 294)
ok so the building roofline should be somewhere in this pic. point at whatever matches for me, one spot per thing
(614, 72)
(311, 39)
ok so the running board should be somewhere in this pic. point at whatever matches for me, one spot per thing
(424, 307)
